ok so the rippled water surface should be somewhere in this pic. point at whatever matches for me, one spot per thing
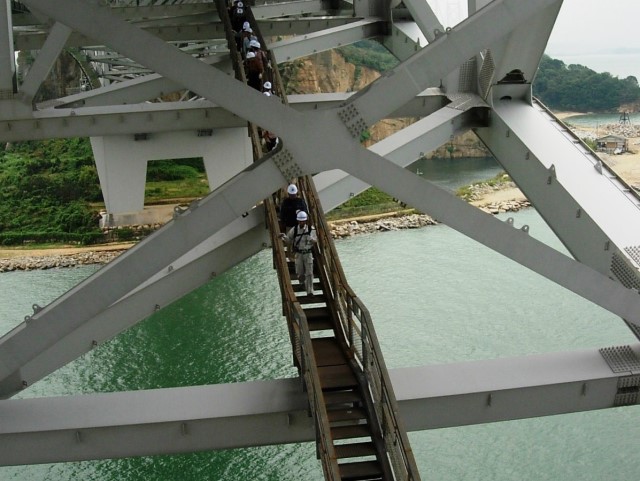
(435, 297)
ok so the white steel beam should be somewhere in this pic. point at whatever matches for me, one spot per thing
(166, 421)
(405, 39)
(118, 120)
(166, 117)
(139, 12)
(591, 211)
(7, 56)
(312, 152)
(425, 19)
(301, 46)
(44, 61)
(436, 60)
(283, 9)
(182, 33)
(229, 246)
(69, 312)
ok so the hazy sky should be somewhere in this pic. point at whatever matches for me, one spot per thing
(586, 32)
(581, 26)
(595, 26)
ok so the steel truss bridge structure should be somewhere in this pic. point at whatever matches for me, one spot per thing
(475, 76)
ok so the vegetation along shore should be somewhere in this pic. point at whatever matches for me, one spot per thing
(50, 196)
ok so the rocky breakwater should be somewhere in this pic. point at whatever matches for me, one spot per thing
(496, 198)
(28, 263)
(348, 228)
(499, 207)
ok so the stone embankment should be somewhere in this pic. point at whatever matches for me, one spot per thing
(341, 229)
(28, 263)
(480, 191)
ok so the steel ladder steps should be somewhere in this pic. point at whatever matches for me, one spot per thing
(361, 471)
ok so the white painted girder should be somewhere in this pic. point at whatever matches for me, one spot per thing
(118, 120)
(305, 139)
(589, 211)
(445, 54)
(7, 57)
(165, 117)
(174, 420)
(327, 39)
(282, 9)
(227, 247)
(70, 311)
(425, 19)
(44, 61)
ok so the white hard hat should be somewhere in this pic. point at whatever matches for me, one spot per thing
(302, 215)
(268, 94)
(245, 25)
(254, 43)
(292, 189)
(251, 55)
(267, 85)
(240, 4)
(247, 29)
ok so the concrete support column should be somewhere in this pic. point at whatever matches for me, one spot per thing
(121, 160)
(7, 55)
(122, 171)
(229, 154)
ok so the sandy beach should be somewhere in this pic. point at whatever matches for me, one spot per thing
(626, 165)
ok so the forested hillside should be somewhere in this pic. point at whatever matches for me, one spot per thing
(577, 88)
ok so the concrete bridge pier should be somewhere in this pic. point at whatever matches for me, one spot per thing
(121, 161)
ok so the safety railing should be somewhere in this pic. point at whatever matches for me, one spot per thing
(296, 319)
(302, 349)
(357, 328)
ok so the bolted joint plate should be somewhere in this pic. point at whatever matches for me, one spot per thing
(352, 119)
(287, 165)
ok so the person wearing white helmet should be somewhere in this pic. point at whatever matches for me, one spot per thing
(238, 16)
(301, 238)
(289, 208)
(266, 87)
(254, 69)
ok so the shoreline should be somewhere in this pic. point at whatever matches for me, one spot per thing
(493, 200)
(12, 260)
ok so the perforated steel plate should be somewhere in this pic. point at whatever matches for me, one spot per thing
(621, 359)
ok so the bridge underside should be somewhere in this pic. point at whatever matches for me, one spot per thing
(452, 80)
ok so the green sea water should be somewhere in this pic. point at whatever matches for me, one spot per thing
(435, 297)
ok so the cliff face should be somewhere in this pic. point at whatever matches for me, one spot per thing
(329, 72)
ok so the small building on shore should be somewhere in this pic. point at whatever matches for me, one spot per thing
(612, 144)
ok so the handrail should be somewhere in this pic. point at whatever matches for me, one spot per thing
(299, 333)
(357, 328)
(303, 350)
(354, 321)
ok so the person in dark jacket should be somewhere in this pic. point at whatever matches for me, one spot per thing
(290, 207)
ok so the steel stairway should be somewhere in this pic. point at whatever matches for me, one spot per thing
(358, 433)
